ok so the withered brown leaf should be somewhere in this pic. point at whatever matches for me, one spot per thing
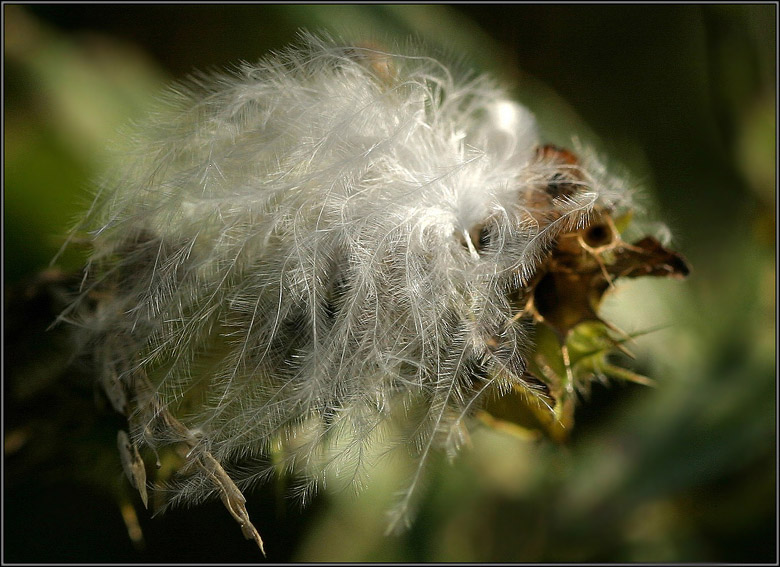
(566, 291)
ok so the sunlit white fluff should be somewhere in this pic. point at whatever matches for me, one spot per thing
(289, 255)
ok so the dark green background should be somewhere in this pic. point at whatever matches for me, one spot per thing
(683, 97)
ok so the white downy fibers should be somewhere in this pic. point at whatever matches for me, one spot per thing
(307, 262)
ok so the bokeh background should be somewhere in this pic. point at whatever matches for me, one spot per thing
(682, 97)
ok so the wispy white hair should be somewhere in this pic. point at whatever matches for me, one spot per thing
(311, 258)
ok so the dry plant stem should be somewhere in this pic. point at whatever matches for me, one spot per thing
(197, 456)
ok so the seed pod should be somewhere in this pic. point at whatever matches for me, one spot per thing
(319, 257)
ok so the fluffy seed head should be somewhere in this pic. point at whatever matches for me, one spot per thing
(311, 258)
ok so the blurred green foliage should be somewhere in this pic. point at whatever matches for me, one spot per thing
(683, 97)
